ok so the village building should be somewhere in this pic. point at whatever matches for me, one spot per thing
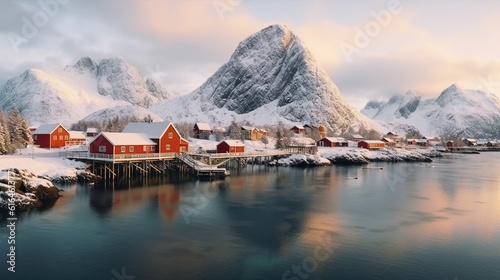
(297, 129)
(76, 138)
(357, 137)
(165, 135)
(51, 136)
(470, 142)
(250, 133)
(389, 142)
(411, 141)
(91, 132)
(119, 143)
(303, 145)
(231, 146)
(423, 142)
(450, 144)
(202, 130)
(371, 144)
(332, 142)
(310, 128)
(493, 143)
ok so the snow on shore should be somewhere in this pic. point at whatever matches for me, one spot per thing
(45, 163)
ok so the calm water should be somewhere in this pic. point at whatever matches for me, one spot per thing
(406, 221)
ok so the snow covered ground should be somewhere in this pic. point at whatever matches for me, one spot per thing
(44, 163)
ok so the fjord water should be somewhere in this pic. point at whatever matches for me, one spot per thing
(405, 221)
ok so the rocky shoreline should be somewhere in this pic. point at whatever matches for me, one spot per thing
(30, 191)
(355, 156)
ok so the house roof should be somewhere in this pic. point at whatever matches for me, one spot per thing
(388, 140)
(311, 126)
(411, 140)
(47, 128)
(76, 134)
(121, 138)
(358, 136)
(249, 128)
(153, 130)
(373, 141)
(91, 130)
(303, 141)
(422, 141)
(335, 139)
(233, 143)
(297, 126)
(470, 140)
(203, 126)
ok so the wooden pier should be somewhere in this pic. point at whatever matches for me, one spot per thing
(110, 167)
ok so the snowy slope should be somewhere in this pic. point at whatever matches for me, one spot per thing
(79, 90)
(455, 112)
(120, 111)
(271, 76)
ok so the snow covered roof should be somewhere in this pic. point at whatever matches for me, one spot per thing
(153, 130)
(302, 141)
(121, 138)
(203, 126)
(357, 136)
(249, 128)
(47, 128)
(422, 141)
(234, 143)
(76, 134)
(411, 140)
(297, 126)
(388, 140)
(262, 130)
(91, 130)
(335, 139)
(314, 126)
(482, 142)
(373, 141)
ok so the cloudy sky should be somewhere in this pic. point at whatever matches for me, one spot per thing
(371, 49)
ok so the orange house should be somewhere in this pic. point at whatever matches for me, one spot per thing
(371, 144)
(51, 136)
(164, 134)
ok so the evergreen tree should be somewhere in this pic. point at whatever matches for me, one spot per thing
(280, 136)
(235, 131)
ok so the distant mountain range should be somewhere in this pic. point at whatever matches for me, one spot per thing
(455, 112)
(270, 77)
(79, 90)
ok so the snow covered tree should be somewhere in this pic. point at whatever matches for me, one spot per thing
(234, 131)
(20, 134)
(280, 136)
(264, 140)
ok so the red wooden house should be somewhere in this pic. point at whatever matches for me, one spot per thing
(298, 129)
(202, 130)
(371, 144)
(164, 134)
(116, 143)
(51, 136)
(333, 142)
(76, 138)
(230, 146)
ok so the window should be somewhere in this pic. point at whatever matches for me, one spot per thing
(167, 147)
(152, 148)
(144, 148)
(170, 135)
(34, 137)
(54, 137)
(102, 149)
(183, 149)
(123, 149)
(60, 137)
(131, 149)
(66, 137)
(59, 130)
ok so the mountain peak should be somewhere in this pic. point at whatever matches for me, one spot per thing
(84, 64)
(271, 76)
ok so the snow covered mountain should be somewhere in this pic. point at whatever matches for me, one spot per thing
(455, 112)
(79, 90)
(270, 77)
